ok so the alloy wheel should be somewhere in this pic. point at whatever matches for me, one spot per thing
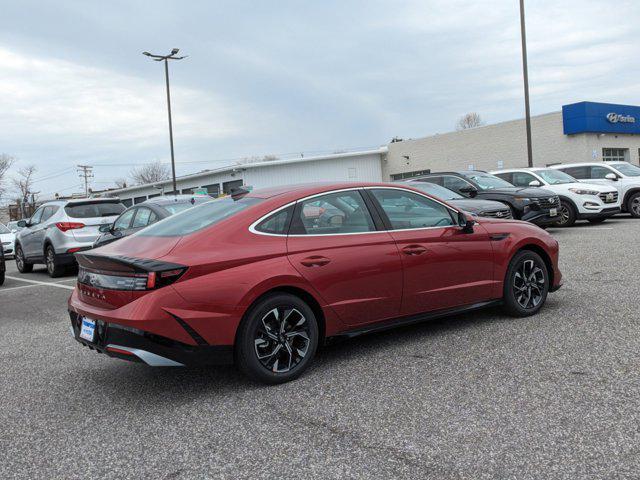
(528, 284)
(635, 206)
(51, 263)
(19, 258)
(282, 339)
(564, 215)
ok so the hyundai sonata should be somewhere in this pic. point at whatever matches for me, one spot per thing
(263, 278)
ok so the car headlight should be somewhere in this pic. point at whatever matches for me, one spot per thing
(582, 191)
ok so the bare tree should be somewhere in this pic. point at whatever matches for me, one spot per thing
(470, 120)
(5, 164)
(150, 173)
(120, 182)
(23, 183)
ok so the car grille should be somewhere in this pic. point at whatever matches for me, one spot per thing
(603, 197)
(548, 202)
(503, 213)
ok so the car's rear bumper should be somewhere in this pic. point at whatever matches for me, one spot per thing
(139, 346)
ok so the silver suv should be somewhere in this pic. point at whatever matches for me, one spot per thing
(61, 228)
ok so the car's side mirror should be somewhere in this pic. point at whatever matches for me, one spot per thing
(22, 224)
(534, 183)
(105, 228)
(471, 191)
(465, 223)
(611, 176)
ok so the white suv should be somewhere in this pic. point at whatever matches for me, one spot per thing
(578, 201)
(622, 175)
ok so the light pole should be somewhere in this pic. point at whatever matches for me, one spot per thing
(166, 58)
(525, 71)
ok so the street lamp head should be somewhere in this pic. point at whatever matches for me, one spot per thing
(146, 53)
(175, 51)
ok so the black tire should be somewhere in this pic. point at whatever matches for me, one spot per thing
(633, 205)
(275, 336)
(21, 263)
(51, 261)
(526, 296)
(567, 214)
(597, 220)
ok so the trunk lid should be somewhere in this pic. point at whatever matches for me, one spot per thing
(92, 214)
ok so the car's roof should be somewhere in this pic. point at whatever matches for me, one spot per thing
(169, 199)
(73, 201)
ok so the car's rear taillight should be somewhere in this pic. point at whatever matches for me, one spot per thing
(128, 281)
(65, 226)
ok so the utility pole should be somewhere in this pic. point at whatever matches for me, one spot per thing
(165, 59)
(86, 172)
(525, 71)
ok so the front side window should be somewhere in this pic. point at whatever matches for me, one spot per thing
(407, 210)
(521, 179)
(36, 217)
(332, 214)
(455, 183)
(487, 181)
(142, 218)
(199, 217)
(555, 177)
(124, 220)
(48, 213)
(436, 190)
(627, 169)
(600, 172)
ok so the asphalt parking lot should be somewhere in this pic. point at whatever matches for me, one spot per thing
(476, 396)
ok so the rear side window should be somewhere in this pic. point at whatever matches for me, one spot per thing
(92, 210)
(278, 223)
(577, 172)
(199, 217)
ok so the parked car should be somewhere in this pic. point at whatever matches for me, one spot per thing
(250, 278)
(624, 176)
(13, 226)
(146, 213)
(578, 201)
(476, 206)
(535, 205)
(3, 267)
(61, 228)
(7, 239)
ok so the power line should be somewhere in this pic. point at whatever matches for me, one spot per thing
(86, 172)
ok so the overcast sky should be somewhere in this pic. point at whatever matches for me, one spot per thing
(277, 77)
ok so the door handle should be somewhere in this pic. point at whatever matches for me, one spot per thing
(315, 261)
(414, 250)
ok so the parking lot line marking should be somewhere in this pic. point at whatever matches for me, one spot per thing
(17, 288)
(51, 284)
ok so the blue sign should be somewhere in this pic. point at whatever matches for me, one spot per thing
(589, 117)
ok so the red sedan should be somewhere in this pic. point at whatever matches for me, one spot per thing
(263, 278)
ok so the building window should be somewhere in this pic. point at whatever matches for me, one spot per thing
(213, 190)
(187, 191)
(402, 176)
(615, 154)
(127, 202)
(228, 186)
(139, 200)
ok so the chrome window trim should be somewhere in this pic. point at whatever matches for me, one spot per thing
(252, 227)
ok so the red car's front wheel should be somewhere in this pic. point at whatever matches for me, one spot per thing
(526, 285)
(277, 339)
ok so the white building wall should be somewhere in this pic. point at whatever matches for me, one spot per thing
(363, 167)
(503, 145)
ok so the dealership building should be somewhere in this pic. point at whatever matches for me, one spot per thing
(581, 132)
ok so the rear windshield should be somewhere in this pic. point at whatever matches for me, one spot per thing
(91, 210)
(178, 207)
(198, 217)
